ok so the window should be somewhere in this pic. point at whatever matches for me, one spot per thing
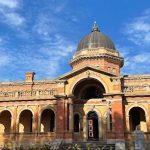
(76, 123)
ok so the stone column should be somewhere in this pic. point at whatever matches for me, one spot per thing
(84, 128)
(14, 121)
(35, 120)
(71, 116)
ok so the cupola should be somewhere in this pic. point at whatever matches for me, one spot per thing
(97, 49)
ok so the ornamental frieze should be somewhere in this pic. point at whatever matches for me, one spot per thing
(29, 93)
(137, 88)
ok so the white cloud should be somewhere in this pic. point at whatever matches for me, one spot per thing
(9, 14)
(9, 3)
(14, 19)
(137, 63)
(138, 30)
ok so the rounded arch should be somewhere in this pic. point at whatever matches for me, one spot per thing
(47, 107)
(6, 109)
(136, 105)
(23, 110)
(5, 121)
(93, 125)
(47, 120)
(74, 84)
(93, 109)
(25, 120)
(137, 119)
(88, 88)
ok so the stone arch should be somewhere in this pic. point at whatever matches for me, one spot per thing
(47, 122)
(140, 118)
(136, 105)
(88, 88)
(5, 121)
(80, 79)
(85, 123)
(25, 121)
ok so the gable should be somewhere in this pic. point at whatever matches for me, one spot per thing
(86, 69)
(74, 77)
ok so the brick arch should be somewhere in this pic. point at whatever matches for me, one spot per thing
(25, 124)
(5, 121)
(47, 121)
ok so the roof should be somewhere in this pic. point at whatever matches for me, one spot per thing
(95, 39)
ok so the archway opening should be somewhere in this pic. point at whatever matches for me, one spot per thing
(93, 126)
(5, 122)
(47, 121)
(88, 89)
(76, 123)
(25, 121)
(137, 119)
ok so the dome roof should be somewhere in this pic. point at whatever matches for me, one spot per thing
(95, 39)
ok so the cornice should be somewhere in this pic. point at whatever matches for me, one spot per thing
(95, 56)
(35, 82)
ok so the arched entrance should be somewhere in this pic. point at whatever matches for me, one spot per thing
(5, 121)
(89, 88)
(47, 121)
(93, 126)
(137, 119)
(25, 121)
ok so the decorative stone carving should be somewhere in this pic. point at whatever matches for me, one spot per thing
(27, 93)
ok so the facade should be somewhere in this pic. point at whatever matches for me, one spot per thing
(91, 102)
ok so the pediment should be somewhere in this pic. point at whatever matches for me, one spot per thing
(87, 70)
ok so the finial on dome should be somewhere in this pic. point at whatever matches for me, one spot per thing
(95, 27)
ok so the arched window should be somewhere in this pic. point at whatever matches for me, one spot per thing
(76, 123)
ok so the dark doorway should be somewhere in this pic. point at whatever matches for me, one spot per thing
(93, 131)
(137, 118)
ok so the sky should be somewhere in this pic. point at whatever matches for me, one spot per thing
(42, 35)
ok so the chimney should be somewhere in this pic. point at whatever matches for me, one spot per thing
(29, 76)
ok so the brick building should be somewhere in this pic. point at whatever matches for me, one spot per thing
(91, 102)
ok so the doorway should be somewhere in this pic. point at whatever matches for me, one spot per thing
(93, 127)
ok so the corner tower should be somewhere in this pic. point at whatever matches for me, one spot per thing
(97, 50)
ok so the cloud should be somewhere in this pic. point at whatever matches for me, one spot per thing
(9, 3)
(138, 30)
(9, 13)
(45, 59)
(14, 19)
(137, 63)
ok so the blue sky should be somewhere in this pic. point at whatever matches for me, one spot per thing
(42, 35)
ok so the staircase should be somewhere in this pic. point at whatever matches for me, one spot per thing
(89, 145)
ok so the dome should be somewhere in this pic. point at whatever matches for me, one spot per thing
(95, 39)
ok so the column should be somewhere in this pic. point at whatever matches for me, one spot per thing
(118, 117)
(35, 119)
(84, 128)
(71, 116)
(14, 121)
(60, 119)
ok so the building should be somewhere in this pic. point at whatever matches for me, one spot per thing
(91, 102)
